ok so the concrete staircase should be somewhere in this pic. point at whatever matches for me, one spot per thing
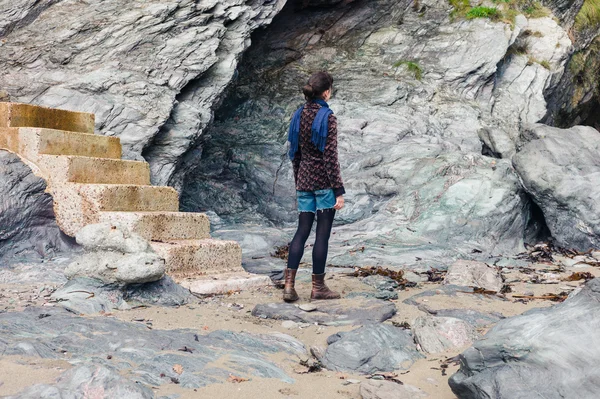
(90, 183)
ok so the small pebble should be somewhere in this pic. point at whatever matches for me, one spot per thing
(289, 324)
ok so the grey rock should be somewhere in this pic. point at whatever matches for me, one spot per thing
(164, 292)
(541, 351)
(439, 334)
(417, 184)
(28, 230)
(81, 380)
(330, 313)
(381, 283)
(115, 255)
(386, 295)
(414, 277)
(373, 389)
(473, 317)
(290, 325)
(561, 169)
(111, 237)
(474, 274)
(307, 307)
(141, 70)
(370, 349)
(112, 267)
(142, 353)
(84, 295)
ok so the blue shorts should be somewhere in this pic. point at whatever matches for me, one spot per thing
(313, 201)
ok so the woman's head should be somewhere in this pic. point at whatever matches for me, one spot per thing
(319, 86)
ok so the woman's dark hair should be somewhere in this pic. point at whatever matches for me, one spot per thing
(318, 84)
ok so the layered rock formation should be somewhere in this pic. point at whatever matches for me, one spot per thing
(551, 352)
(561, 170)
(427, 101)
(419, 96)
(28, 227)
(142, 67)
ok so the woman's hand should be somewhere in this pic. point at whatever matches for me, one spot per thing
(339, 203)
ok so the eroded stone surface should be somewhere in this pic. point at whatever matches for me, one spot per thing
(27, 225)
(541, 351)
(331, 312)
(370, 349)
(88, 380)
(561, 170)
(115, 255)
(439, 334)
(474, 274)
(142, 354)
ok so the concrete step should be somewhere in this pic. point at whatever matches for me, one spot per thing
(162, 226)
(75, 169)
(30, 142)
(219, 284)
(26, 115)
(77, 204)
(196, 258)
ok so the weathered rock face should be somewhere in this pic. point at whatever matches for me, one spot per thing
(439, 334)
(72, 383)
(417, 184)
(552, 352)
(151, 71)
(146, 355)
(474, 274)
(371, 349)
(115, 255)
(331, 313)
(561, 171)
(27, 224)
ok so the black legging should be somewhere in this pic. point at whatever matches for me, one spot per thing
(319, 255)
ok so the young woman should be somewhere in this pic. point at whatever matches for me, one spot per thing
(319, 187)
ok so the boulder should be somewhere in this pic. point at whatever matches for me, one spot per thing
(114, 255)
(439, 334)
(374, 389)
(370, 349)
(551, 351)
(474, 274)
(84, 295)
(28, 229)
(560, 169)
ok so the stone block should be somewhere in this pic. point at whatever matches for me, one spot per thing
(76, 169)
(27, 115)
(162, 226)
(195, 258)
(222, 284)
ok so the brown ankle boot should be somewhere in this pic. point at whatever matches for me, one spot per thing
(289, 293)
(320, 290)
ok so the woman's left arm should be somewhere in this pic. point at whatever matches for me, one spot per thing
(330, 158)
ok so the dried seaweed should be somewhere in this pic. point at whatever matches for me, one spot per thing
(397, 276)
(435, 275)
(580, 276)
(281, 252)
(560, 297)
